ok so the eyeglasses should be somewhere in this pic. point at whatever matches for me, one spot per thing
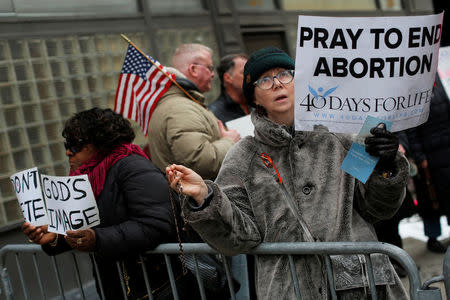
(74, 148)
(266, 83)
(210, 68)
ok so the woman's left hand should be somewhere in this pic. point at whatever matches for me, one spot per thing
(83, 239)
(384, 144)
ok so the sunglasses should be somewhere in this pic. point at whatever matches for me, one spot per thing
(74, 148)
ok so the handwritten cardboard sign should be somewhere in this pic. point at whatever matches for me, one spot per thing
(28, 190)
(61, 202)
(70, 202)
(352, 67)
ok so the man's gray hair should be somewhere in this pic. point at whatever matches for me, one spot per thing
(186, 54)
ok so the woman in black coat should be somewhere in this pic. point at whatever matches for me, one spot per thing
(133, 200)
(430, 148)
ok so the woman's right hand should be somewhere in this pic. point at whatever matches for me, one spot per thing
(38, 234)
(190, 182)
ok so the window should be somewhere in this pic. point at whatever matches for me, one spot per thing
(80, 6)
(177, 6)
(391, 4)
(6, 6)
(330, 4)
(254, 4)
(256, 40)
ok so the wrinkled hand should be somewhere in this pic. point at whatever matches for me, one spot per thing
(383, 144)
(191, 183)
(83, 239)
(230, 133)
(38, 234)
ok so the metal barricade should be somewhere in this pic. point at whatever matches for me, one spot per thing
(416, 290)
(445, 277)
(30, 262)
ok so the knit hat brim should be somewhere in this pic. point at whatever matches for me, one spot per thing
(258, 63)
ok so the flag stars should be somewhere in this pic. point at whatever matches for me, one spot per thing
(136, 63)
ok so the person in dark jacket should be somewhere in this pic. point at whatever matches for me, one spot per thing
(132, 195)
(430, 148)
(231, 103)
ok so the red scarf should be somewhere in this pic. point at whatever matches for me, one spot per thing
(98, 166)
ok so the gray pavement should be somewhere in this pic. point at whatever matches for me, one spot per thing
(430, 264)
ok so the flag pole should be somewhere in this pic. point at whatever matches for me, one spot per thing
(159, 68)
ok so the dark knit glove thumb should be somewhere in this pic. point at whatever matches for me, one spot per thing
(383, 144)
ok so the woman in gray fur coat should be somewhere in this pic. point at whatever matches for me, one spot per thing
(284, 185)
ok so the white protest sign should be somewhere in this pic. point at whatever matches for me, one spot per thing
(348, 68)
(28, 190)
(70, 202)
(444, 68)
(243, 125)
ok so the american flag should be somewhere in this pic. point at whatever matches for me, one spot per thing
(141, 85)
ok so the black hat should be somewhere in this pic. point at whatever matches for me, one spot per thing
(259, 62)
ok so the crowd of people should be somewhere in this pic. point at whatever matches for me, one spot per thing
(280, 185)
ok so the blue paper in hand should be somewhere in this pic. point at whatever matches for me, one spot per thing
(358, 162)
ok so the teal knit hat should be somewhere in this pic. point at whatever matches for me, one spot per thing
(259, 62)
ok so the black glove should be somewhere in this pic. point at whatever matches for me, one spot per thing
(383, 144)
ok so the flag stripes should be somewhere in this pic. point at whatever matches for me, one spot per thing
(141, 85)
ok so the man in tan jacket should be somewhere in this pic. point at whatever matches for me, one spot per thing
(182, 131)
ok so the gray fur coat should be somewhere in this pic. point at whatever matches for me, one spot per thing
(316, 202)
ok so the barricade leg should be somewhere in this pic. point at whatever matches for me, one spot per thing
(38, 274)
(147, 282)
(432, 293)
(229, 277)
(446, 272)
(239, 269)
(6, 284)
